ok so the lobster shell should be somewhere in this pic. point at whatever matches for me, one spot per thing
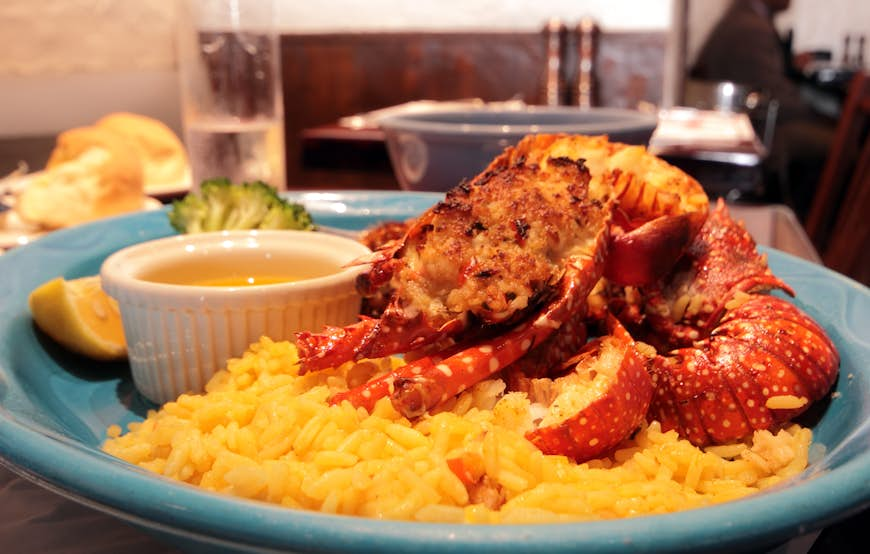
(764, 364)
(613, 412)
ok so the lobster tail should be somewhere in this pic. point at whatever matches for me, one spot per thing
(763, 365)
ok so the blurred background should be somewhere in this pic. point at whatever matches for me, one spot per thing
(67, 63)
(72, 61)
(117, 54)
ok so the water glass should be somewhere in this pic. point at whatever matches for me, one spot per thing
(232, 107)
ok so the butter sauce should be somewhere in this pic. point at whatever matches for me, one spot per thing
(234, 272)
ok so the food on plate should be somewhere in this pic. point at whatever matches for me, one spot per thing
(658, 206)
(221, 205)
(646, 185)
(163, 157)
(92, 173)
(185, 315)
(732, 358)
(265, 432)
(374, 238)
(582, 337)
(80, 316)
(520, 245)
(242, 263)
(102, 170)
(477, 291)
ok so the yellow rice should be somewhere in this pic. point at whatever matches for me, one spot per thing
(263, 432)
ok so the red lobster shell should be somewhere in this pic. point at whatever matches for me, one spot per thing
(731, 359)
(764, 364)
(481, 280)
(611, 393)
(743, 360)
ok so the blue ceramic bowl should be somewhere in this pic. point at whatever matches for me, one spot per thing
(434, 150)
(55, 407)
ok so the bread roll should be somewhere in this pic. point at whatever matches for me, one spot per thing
(93, 172)
(164, 159)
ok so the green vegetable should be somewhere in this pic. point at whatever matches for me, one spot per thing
(221, 205)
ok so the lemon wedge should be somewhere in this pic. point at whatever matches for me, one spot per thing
(79, 315)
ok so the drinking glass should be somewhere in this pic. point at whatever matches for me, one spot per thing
(230, 73)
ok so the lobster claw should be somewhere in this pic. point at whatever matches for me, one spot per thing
(600, 402)
(644, 255)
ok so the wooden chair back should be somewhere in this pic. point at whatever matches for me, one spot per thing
(839, 219)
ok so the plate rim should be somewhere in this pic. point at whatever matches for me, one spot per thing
(625, 121)
(13, 238)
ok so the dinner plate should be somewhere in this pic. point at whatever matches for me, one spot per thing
(55, 408)
(16, 232)
(170, 190)
(356, 210)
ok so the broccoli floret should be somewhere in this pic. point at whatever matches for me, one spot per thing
(278, 216)
(188, 215)
(221, 205)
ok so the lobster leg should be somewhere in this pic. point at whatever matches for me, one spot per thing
(333, 346)
(424, 383)
(369, 338)
(392, 333)
(566, 341)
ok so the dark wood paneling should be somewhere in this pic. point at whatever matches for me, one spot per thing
(330, 76)
(630, 69)
(33, 151)
(327, 76)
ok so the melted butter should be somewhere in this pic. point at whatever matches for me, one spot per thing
(246, 281)
(239, 271)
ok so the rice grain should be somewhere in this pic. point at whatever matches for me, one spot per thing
(263, 432)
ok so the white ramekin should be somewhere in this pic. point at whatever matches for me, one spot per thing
(178, 336)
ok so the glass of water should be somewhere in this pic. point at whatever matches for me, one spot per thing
(230, 73)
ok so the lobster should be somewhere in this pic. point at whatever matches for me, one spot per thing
(733, 358)
(564, 234)
(523, 243)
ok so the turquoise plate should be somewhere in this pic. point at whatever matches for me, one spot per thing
(55, 407)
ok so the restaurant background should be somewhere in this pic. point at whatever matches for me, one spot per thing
(76, 60)
(72, 61)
